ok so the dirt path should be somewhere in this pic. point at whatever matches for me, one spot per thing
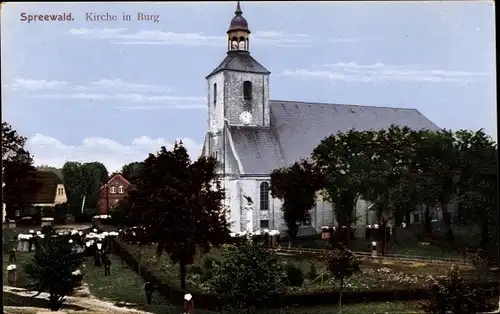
(88, 302)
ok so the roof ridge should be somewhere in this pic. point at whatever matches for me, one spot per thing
(334, 104)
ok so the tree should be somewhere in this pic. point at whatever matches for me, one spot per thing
(132, 171)
(121, 213)
(72, 182)
(18, 172)
(452, 295)
(296, 186)
(477, 184)
(342, 264)
(391, 189)
(182, 205)
(58, 171)
(343, 159)
(94, 175)
(248, 277)
(12, 143)
(52, 267)
(443, 171)
(82, 183)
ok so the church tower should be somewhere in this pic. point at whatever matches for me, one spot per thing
(238, 89)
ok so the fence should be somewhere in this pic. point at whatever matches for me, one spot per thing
(367, 255)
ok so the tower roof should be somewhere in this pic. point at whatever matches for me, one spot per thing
(238, 23)
(240, 62)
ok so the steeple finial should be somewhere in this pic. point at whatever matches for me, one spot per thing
(238, 9)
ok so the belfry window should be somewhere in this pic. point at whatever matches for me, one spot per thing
(247, 90)
(264, 196)
(234, 43)
(215, 94)
(242, 44)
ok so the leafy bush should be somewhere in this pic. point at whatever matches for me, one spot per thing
(248, 277)
(451, 294)
(312, 274)
(195, 269)
(53, 266)
(207, 275)
(209, 262)
(294, 275)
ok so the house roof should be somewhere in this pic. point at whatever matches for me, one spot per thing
(240, 61)
(47, 193)
(298, 127)
(113, 176)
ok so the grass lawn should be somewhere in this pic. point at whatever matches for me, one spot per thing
(124, 287)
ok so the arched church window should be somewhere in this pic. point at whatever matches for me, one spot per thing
(215, 94)
(264, 196)
(247, 90)
(234, 43)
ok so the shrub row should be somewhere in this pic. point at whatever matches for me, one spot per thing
(174, 294)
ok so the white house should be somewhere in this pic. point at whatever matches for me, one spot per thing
(252, 135)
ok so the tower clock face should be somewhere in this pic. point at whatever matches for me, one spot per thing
(246, 117)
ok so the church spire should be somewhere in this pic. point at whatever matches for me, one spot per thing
(238, 9)
(238, 32)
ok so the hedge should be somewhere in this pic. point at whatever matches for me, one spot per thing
(204, 300)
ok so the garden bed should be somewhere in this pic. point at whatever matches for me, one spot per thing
(384, 275)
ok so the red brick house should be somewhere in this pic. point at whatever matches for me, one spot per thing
(113, 192)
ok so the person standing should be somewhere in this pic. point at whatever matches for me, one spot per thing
(149, 288)
(107, 266)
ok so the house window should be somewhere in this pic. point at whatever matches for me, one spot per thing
(215, 94)
(247, 90)
(112, 190)
(264, 224)
(264, 196)
(120, 189)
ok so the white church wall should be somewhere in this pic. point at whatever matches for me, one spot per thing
(231, 165)
(235, 103)
(216, 110)
(322, 213)
(267, 114)
(232, 197)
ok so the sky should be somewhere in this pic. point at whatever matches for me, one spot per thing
(115, 91)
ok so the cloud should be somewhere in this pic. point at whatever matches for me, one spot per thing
(149, 108)
(50, 151)
(109, 90)
(157, 37)
(379, 72)
(21, 84)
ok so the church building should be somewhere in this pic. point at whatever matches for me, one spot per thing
(251, 135)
